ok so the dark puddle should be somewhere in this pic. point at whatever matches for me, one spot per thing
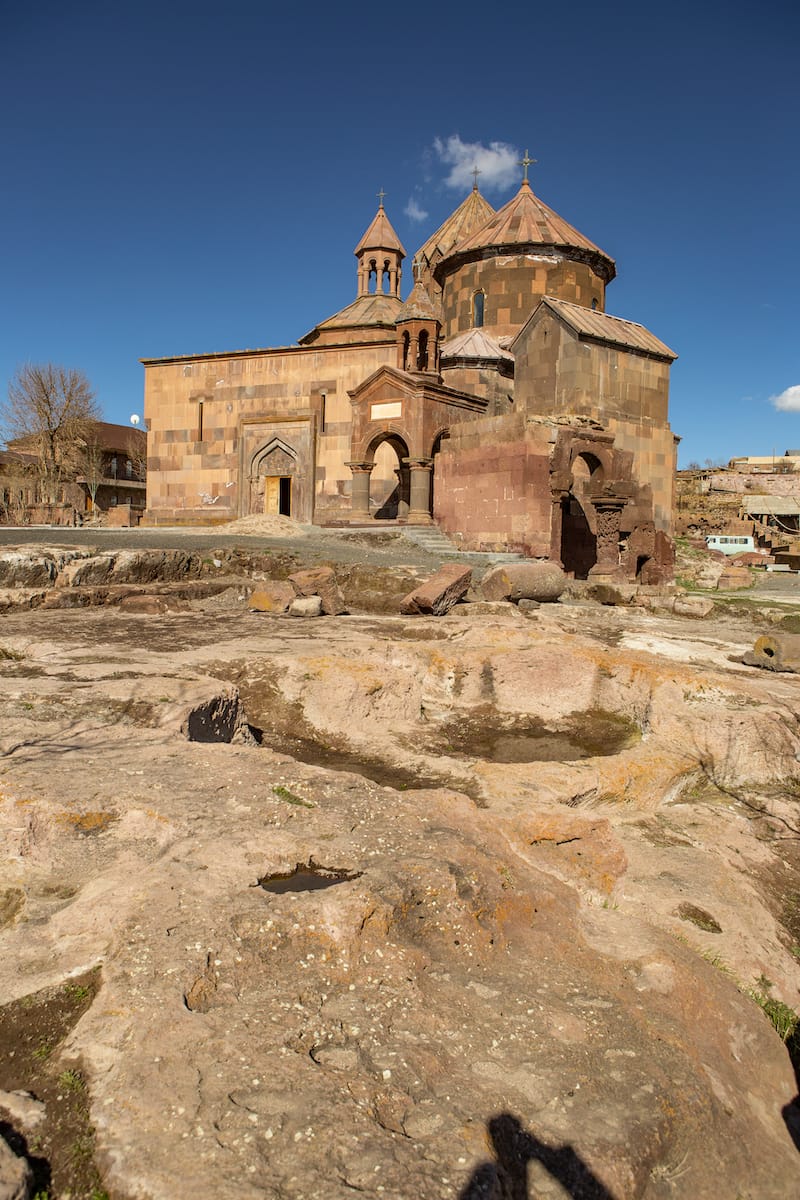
(306, 878)
(336, 759)
(585, 735)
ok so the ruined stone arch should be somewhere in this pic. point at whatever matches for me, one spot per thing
(588, 467)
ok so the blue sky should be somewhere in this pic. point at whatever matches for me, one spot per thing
(184, 177)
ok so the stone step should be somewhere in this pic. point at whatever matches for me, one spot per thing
(434, 541)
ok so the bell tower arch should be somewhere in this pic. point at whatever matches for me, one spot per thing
(380, 254)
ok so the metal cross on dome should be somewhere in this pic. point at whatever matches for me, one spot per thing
(381, 194)
(476, 173)
(526, 162)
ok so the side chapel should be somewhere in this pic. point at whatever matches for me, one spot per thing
(499, 400)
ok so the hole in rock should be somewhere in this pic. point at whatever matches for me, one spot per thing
(306, 877)
(527, 739)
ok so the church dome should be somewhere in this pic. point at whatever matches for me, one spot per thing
(496, 274)
(526, 221)
(470, 215)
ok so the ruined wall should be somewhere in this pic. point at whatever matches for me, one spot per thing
(491, 485)
(557, 374)
(198, 410)
(513, 285)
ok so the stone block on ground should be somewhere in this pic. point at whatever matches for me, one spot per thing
(612, 593)
(693, 606)
(734, 578)
(86, 572)
(320, 581)
(540, 581)
(439, 593)
(272, 598)
(775, 652)
(306, 606)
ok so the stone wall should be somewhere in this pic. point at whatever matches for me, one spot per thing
(558, 374)
(198, 411)
(491, 485)
(512, 286)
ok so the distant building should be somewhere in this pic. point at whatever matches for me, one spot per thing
(500, 400)
(767, 463)
(107, 471)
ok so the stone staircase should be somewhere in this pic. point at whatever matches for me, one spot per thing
(431, 539)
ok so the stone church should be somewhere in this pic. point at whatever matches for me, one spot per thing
(499, 400)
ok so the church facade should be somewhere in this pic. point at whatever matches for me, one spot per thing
(499, 400)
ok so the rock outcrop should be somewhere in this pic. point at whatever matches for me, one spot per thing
(533, 954)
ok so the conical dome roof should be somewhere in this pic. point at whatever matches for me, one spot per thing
(528, 221)
(380, 236)
(470, 215)
(419, 306)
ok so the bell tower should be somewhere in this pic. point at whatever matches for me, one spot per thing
(380, 254)
(419, 325)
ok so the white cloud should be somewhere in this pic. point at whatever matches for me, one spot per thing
(497, 163)
(414, 212)
(788, 401)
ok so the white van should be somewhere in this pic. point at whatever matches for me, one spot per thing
(730, 544)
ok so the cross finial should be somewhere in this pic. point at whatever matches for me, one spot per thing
(526, 162)
(416, 266)
(475, 174)
(382, 193)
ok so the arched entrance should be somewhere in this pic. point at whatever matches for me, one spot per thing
(578, 537)
(272, 479)
(578, 543)
(406, 497)
(389, 491)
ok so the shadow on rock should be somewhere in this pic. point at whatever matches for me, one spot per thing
(791, 1111)
(507, 1177)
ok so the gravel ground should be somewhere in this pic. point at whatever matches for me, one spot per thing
(314, 544)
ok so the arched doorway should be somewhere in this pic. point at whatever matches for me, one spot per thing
(272, 479)
(578, 538)
(578, 543)
(389, 489)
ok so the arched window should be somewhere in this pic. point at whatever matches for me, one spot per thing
(422, 351)
(406, 342)
(595, 305)
(477, 309)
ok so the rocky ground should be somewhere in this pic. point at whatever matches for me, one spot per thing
(486, 905)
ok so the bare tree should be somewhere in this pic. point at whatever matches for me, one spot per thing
(137, 455)
(92, 465)
(46, 412)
